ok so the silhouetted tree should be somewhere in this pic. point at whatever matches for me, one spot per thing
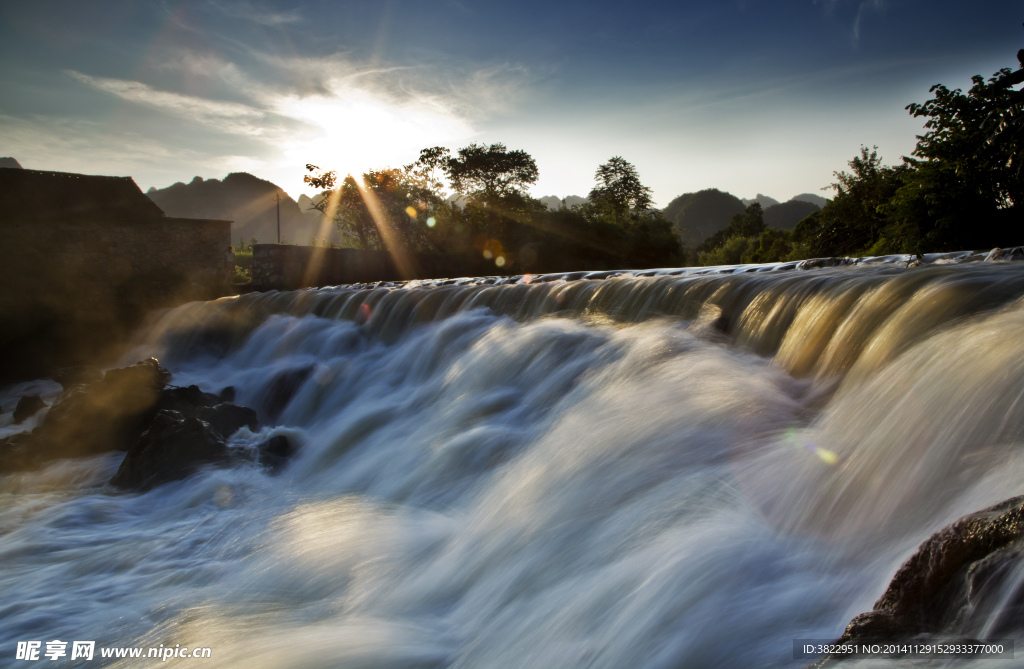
(385, 206)
(619, 189)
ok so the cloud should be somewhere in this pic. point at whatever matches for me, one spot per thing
(867, 5)
(274, 112)
(832, 8)
(232, 117)
(240, 9)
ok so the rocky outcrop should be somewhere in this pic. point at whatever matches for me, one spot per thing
(105, 415)
(227, 418)
(28, 406)
(168, 432)
(79, 375)
(963, 579)
(273, 454)
(171, 449)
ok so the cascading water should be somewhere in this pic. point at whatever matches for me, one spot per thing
(636, 472)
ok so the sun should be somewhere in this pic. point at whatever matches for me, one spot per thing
(353, 130)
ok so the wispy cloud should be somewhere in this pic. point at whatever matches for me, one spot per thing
(241, 9)
(866, 6)
(834, 7)
(232, 117)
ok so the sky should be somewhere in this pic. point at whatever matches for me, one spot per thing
(748, 96)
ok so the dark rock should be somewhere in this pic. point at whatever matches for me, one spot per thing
(955, 581)
(171, 449)
(27, 407)
(146, 373)
(186, 400)
(275, 452)
(75, 376)
(228, 418)
(283, 387)
(105, 415)
(227, 394)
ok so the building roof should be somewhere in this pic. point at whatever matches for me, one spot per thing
(38, 195)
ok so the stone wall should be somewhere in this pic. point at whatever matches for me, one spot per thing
(285, 267)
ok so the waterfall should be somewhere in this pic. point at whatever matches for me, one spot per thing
(656, 471)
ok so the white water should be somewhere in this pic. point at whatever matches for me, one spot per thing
(478, 491)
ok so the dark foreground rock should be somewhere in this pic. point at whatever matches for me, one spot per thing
(75, 376)
(28, 406)
(274, 453)
(105, 415)
(228, 418)
(112, 413)
(173, 448)
(964, 580)
(168, 432)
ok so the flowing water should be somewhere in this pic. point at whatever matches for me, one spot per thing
(671, 471)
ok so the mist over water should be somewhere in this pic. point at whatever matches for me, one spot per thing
(635, 472)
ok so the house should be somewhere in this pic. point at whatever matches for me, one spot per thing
(84, 257)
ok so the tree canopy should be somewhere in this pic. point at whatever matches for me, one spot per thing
(618, 185)
(483, 171)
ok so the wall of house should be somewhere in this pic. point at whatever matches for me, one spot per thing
(74, 288)
(285, 267)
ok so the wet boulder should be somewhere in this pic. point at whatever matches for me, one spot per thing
(77, 376)
(228, 418)
(105, 415)
(188, 400)
(964, 577)
(274, 453)
(27, 407)
(173, 448)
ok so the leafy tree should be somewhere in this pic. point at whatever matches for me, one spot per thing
(853, 220)
(485, 172)
(383, 209)
(619, 189)
(966, 189)
(748, 223)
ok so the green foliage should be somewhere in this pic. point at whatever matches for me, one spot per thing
(383, 207)
(495, 221)
(619, 191)
(748, 240)
(965, 188)
(484, 172)
(243, 259)
(241, 276)
(245, 247)
(854, 219)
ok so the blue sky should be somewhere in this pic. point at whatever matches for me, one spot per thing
(744, 95)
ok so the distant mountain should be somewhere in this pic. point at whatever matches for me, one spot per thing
(763, 200)
(810, 197)
(10, 162)
(786, 215)
(702, 214)
(248, 202)
(554, 202)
